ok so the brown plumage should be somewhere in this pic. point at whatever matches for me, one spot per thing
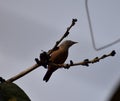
(58, 56)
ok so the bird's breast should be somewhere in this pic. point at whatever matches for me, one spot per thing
(59, 56)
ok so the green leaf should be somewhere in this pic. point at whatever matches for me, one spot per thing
(11, 92)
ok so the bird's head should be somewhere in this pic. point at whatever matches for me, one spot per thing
(67, 44)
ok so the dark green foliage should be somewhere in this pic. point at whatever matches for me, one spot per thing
(11, 92)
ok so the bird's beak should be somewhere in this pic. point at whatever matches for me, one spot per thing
(75, 42)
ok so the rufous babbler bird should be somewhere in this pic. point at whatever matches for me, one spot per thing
(58, 57)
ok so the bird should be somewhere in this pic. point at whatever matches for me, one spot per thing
(58, 56)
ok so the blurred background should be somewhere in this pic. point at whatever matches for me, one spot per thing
(29, 26)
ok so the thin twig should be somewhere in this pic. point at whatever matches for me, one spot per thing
(64, 36)
(86, 62)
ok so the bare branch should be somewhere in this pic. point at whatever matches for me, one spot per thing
(86, 62)
(21, 74)
(44, 57)
(64, 36)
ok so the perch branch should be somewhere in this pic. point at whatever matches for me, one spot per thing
(44, 57)
(86, 62)
(21, 74)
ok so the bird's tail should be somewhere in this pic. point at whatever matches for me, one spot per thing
(47, 76)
